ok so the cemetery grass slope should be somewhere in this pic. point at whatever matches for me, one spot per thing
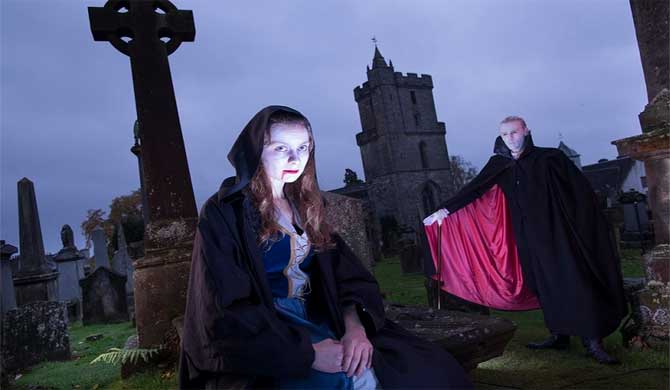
(78, 373)
(518, 368)
(521, 368)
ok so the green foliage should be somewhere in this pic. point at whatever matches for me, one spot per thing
(632, 263)
(461, 171)
(118, 355)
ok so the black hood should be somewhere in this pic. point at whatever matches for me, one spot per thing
(501, 149)
(245, 155)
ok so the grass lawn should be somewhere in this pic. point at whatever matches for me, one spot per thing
(521, 368)
(518, 368)
(78, 373)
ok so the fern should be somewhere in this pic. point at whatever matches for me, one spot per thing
(118, 355)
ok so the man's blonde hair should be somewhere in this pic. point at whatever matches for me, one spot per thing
(514, 118)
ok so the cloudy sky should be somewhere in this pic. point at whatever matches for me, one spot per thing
(67, 106)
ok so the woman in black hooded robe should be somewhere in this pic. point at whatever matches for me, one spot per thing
(275, 298)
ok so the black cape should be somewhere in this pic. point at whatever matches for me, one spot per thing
(568, 257)
(231, 327)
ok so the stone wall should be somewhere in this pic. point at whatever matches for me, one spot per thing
(347, 218)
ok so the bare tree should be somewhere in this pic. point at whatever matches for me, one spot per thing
(461, 171)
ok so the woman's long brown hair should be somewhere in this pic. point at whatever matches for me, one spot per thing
(304, 193)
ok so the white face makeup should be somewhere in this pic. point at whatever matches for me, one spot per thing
(286, 155)
(513, 133)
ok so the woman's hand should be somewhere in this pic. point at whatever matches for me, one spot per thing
(328, 356)
(357, 351)
(357, 348)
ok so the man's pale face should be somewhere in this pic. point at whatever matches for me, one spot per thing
(513, 133)
(285, 156)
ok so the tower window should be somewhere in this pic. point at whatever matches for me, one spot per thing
(422, 152)
(428, 198)
(417, 119)
(412, 95)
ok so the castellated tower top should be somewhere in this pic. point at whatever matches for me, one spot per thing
(382, 73)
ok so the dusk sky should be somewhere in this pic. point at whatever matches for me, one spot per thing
(67, 104)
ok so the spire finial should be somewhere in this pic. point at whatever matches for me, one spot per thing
(378, 59)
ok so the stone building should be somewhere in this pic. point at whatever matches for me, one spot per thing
(571, 153)
(403, 148)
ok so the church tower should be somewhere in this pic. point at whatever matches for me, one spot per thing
(402, 144)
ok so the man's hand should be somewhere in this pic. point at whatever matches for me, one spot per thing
(328, 355)
(438, 216)
(357, 351)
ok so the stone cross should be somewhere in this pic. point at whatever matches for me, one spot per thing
(148, 32)
(167, 181)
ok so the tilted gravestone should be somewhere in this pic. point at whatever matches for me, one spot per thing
(171, 213)
(104, 297)
(35, 332)
(70, 271)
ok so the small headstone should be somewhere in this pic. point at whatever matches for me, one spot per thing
(33, 333)
(346, 217)
(100, 248)
(104, 297)
(410, 258)
(8, 298)
(35, 281)
(70, 271)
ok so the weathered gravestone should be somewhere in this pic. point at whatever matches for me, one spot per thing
(104, 297)
(7, 287)
(410, 257)
(651, 312)
(35, 280)
(346, 217)
(70, 271)
(122, 264)
(100, 248)
(161, 277)
(35, 332)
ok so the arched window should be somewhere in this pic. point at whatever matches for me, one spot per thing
(424, 154)
(429, 197)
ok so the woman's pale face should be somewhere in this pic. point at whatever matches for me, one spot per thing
(286, 155)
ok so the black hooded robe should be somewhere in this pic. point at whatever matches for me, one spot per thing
(567, 255)
(230, 324)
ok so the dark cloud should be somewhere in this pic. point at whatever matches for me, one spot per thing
(67, 106)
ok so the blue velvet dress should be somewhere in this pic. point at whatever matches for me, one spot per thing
(288, 261)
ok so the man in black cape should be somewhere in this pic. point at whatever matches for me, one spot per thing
(567, 255)
(232, 332)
